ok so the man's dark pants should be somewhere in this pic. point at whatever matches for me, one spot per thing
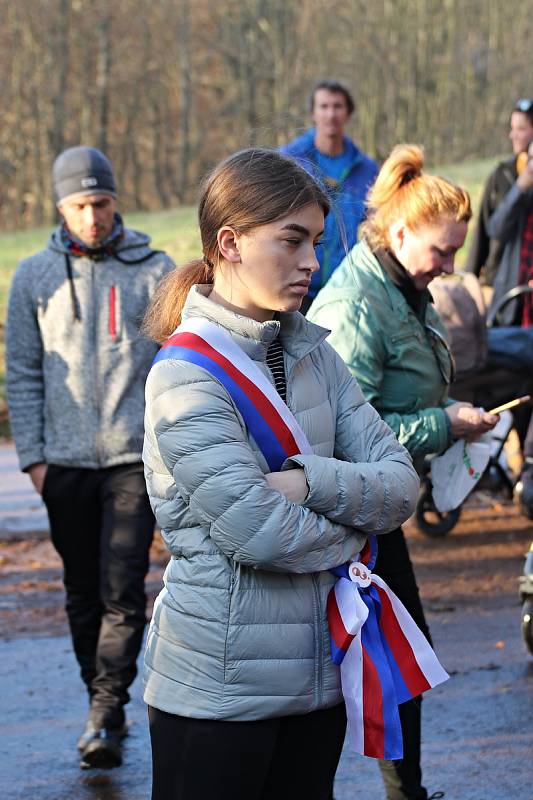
(102, 527)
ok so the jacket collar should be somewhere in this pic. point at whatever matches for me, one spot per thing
(134, 244)
(306, 144)
(298, 336)
(398, 303)
(417, 300)
(351, 151)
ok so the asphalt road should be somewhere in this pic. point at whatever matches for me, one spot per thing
(478, 727)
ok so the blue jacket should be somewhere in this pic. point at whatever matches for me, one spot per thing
(348, 201)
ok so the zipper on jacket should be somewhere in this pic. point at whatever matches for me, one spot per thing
(96, 389)
(112, 327)
(232, 582)
(319, 645)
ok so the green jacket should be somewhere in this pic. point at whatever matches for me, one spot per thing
(400, 366)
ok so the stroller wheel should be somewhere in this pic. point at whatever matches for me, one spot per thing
(428, 519)
(527, 624)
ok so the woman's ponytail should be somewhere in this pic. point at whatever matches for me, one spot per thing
(164, 312)
(404, 191)
(402, 166)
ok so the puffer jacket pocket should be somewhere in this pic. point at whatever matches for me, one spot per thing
(233, 580)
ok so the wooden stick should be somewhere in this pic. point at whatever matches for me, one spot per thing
(511, 404)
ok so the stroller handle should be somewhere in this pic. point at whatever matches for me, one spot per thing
(492, 316)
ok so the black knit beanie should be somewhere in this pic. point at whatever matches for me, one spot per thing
(82, 171)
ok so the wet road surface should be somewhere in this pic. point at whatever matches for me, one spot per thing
(478, 727)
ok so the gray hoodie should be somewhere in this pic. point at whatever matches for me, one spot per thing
(75, 386)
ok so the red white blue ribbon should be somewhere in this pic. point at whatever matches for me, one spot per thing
(384, 658)
(266, 416)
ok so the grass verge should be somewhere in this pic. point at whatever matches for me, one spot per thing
(175, 231)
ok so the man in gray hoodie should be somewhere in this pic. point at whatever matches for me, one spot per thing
(76, 368)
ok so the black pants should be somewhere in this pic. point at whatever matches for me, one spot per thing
(403, 779)
(523, 423)
(528, 441)
(102, 527)
(274, 759)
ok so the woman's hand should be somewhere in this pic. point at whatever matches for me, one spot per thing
(525, 179)
(291, 484)
(468, 422)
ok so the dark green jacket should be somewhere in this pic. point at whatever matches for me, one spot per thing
(399, 365)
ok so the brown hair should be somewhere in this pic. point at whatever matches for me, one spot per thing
(335, 87)
(250, 188)
(403, 191)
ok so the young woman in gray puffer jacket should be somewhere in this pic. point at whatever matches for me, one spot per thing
(244, 699)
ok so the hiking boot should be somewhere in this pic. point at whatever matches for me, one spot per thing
(101, 747)
(87, 735)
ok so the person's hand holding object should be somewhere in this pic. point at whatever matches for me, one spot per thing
(470, 423)
(525, 179)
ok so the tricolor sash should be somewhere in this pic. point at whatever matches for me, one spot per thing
(384, 658)
(267, 417)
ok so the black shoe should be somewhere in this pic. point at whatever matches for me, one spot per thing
(101, 747)
(87, 735)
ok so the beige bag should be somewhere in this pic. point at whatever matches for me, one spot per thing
(459, 300)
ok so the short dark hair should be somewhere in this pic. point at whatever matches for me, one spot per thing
(332, 86)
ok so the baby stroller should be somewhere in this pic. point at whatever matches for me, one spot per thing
(507, 373)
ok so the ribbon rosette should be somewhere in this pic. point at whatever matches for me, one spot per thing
(384, 657)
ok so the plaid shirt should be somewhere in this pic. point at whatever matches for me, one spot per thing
(526, 268)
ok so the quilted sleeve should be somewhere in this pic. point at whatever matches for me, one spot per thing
(202, 442)
(372, 484)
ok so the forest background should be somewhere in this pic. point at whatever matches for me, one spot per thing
(169, 87)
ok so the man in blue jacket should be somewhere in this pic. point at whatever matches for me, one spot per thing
(328, 154)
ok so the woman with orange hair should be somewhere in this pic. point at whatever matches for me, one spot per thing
(383, 324)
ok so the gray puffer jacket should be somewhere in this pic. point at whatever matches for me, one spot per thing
(240, 631)
(75, 386)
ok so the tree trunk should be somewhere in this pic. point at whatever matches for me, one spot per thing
(103, 71)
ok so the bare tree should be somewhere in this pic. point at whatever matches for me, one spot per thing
(103, 72)
(169, 88)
